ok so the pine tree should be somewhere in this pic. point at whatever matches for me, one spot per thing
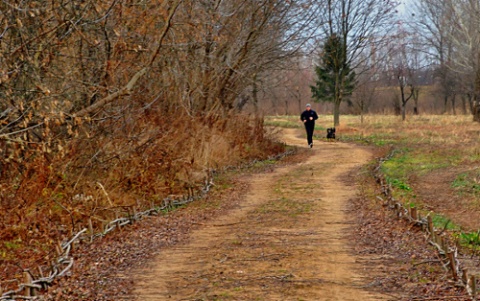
(335, 79)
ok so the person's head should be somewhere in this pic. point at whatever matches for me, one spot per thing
(308, 106)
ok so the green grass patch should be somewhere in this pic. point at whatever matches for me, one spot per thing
(398, 184)
(407, 161)
(461, 181)
(467, 183)
(264, 163)
(443, 222)
(380, 139)
(289, 122)
(471, 239)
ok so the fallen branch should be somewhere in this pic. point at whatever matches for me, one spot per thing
(439, 298)
(110, 98)
(427, 261)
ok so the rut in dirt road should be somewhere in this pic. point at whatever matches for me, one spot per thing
(285, 241)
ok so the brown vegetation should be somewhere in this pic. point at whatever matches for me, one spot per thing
(47, 198)
(111, 106)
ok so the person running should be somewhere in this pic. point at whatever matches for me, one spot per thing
(308, 118)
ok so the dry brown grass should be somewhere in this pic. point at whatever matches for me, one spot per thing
(436, 162)
(110, 169)
(437, 157)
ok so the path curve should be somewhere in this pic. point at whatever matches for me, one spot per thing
(285, 241)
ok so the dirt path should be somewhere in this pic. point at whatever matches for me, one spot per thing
(285, 241)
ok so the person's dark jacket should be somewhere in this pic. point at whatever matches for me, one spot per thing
(306, 116)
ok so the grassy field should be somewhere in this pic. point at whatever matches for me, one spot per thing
(434, 162)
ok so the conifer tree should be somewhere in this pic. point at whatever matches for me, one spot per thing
(335, 78)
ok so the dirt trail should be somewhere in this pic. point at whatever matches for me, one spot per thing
(285, 241)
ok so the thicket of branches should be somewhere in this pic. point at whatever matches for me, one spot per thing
(432, 53)
(419, 58)
(451, 32)
(110, 105)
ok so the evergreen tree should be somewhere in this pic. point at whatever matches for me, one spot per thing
(335, 79)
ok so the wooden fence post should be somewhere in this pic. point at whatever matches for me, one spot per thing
(27, 279)
(58, 249)
(451, 258)
(473, 285)
(430, 226)
(413, 213)
(444, 244)
(465, 276)
(438, 239)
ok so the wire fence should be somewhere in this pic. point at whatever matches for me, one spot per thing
(31, 288)
(447, 251)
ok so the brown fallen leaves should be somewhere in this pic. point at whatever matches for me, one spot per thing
(103, 268)
(397, 259)
(400, 261)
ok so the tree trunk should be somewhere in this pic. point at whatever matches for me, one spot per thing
(299, 99)
(336, 113)
(476, 93)
(445, 103)
(476, 112)
(255, 93)
(476, 101)
(337, 102)
(404, 102)
(416, 92)
(397, 107)
(362, 107)
(454, 109)
(476, 108)
(464, 105)
(207, 74)
(470, 102)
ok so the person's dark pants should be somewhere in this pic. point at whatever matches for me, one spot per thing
(309, 127)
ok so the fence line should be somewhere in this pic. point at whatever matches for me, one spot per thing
(448, 253)
(30, 288)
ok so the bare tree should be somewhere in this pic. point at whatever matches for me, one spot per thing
(287, 90)
(452, 30)
(403, 74)
(239, 44)
(359, 24)
(132, 94)
(405, 65)
(433, 25)
(466, 40)
(365, 92)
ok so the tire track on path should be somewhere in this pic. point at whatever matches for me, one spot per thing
(287, 240)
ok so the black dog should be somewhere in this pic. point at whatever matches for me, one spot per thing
(331, 133)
